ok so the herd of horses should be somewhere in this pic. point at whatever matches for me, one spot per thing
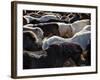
(53, 40)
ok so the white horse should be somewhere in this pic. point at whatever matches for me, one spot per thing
(81, 38)
(79, 25)
(68, 30)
